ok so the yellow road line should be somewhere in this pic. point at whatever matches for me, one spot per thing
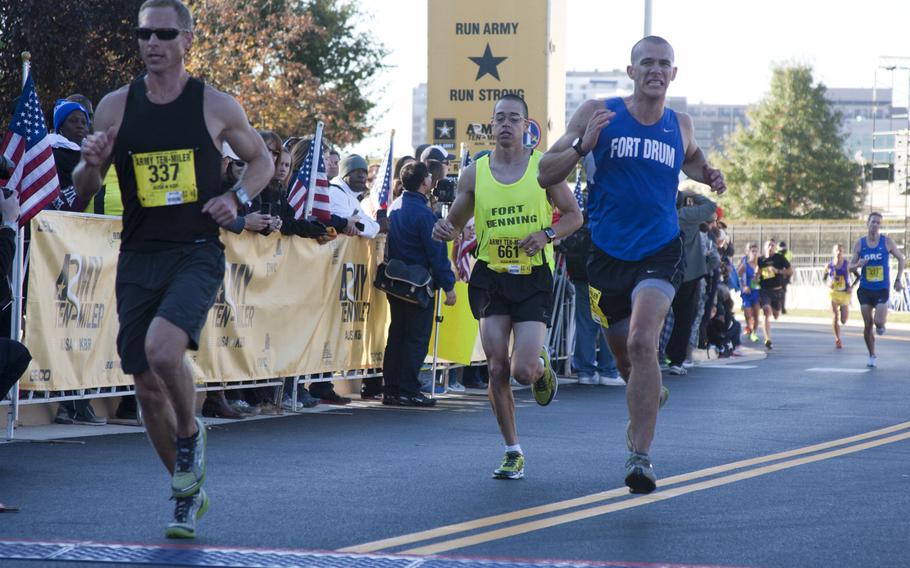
(447, 530)
(643, 500)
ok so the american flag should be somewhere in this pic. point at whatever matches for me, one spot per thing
(297, 197)
(465, 160)
(465, 245)
(382, 185)
(27, 147)
(579, 196)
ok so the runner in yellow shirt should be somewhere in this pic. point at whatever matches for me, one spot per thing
(838, 277)
(511, 286)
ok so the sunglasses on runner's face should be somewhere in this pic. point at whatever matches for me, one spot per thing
(164, 34)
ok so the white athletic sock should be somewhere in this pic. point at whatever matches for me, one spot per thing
(515, 448)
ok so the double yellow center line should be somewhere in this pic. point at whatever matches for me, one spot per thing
(792, 458)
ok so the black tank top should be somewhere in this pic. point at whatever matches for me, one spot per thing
(153, 153)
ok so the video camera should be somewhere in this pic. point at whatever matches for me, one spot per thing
(444, 192)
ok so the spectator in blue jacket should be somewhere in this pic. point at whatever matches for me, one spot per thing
(410, 241)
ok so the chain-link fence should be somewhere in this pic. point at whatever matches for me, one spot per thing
(811, 242)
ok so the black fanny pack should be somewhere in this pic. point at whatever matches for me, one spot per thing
(409, 282)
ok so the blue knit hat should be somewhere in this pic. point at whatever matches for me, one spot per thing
(63, 108)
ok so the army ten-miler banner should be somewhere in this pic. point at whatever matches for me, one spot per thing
(287, 307)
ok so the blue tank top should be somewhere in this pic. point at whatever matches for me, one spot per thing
(635, 175)
(750, 273)
(874, 275)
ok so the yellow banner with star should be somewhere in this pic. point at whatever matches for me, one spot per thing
(480, 51)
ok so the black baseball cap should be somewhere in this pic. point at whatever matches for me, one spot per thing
(437, 153)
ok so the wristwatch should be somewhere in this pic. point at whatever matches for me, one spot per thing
(240, 193)
(576, 145)
(550, 233)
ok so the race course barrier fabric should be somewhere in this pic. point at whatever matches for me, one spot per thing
(288, 307)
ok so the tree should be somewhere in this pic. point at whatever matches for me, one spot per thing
(77, 46)
(289, 63)
(790, 161)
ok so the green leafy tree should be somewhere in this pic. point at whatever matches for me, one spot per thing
(77, 46)
(790, 161)
(290, 63)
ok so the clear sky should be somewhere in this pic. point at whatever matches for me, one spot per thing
(725, 49)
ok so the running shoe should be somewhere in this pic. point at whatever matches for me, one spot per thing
(640, 477)
(608, 381)
(546, 386)
(688, 363)
(187, 511)
(586, 379)
(747, 330)
(880, 330)
(753, 337)
(871, 363)
(678, 370)
(513, 466)
(768, 344)
(838, 344)
(190, 471)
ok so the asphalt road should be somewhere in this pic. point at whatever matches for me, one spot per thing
(799, 459)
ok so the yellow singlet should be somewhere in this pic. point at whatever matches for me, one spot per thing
(504, 214)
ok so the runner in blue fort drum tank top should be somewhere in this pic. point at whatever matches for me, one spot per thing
(634, 173)
(634, 149)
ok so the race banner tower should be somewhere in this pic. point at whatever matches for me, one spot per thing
(478, 51)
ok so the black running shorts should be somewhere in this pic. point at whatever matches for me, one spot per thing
(771, 297)
(616, 279)
(178, 285)
(868, 297)
(522, 297)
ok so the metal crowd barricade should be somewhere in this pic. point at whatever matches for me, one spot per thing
(560, 339)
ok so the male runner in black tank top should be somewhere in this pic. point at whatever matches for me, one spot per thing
(163, 133)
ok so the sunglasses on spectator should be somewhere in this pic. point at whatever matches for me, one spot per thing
(238, 163)
(164, 34)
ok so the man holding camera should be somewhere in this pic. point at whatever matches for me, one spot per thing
(410, 241)
(511, 286)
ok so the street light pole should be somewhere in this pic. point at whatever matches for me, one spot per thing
(647, 18)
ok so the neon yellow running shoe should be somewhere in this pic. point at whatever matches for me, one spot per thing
(546, 386)
(513, 466)
(189, 473)
(187, 511)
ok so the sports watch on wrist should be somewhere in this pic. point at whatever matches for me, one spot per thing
(576, 145)
(240, 193)
(550, 233)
